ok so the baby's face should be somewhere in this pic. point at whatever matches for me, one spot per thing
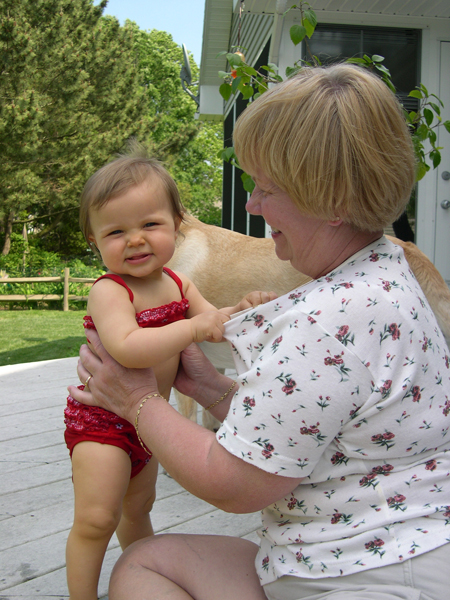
(136, 231)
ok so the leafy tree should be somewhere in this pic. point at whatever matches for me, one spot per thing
(69, 99)
(188, 148)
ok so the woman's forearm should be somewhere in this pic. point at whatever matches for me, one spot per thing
(194, 458)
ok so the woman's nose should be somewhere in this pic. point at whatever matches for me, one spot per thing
(253, 205)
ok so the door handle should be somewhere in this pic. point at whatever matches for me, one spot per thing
(445, 204)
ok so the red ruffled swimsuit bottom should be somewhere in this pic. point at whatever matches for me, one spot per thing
(95, 424)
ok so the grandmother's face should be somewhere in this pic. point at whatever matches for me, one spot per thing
(298, 238)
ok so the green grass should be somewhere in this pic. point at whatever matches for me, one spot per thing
(33, 335)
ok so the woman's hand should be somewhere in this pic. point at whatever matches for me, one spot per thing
(199, 379)
(111, 385)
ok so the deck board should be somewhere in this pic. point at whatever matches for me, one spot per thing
(36, 494)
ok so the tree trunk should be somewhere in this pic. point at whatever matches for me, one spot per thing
(8, 230)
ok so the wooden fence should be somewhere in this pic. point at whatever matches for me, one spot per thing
(46, 297)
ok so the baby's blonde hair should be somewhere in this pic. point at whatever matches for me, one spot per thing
(117, 177)
(336, 141)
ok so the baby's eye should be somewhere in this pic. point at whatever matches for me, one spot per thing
(115, 232)
(151, 224)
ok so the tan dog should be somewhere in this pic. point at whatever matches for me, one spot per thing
(226, 265)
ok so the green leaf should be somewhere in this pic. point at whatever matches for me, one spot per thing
(235, 84)
(422, 169)
(447, 125)
(432, 137)
(247, 91)
(356, 61)
(416, 94)
(424, 89)
(422, 132)
(309, 22)
(436, 108)
(225, 91)
(438, 99)
(234, 60)
(436, 158)
(428, 116)
(223, 74)
(297, 33)
(377, 58)
(248, 183)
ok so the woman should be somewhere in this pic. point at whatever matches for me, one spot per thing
(338, 428)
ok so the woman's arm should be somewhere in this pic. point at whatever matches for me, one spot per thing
(135, 347)
(190, 453)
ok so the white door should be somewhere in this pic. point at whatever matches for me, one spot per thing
(442, 254)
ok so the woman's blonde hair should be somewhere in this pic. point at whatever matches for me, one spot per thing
(117, 177)
(336, 141)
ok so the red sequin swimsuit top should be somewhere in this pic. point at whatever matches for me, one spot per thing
(151, 317)
(81, 418)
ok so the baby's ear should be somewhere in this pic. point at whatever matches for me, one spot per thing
(177, 222)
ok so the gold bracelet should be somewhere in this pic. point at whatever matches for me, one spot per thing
(136, 421)
(221, 397)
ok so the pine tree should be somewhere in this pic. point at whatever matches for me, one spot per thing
(69, 99)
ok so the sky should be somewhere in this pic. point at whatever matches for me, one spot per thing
(182, 18)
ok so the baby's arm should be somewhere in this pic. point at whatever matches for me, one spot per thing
(115, 320)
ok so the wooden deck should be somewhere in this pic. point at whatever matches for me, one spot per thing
(36, 496)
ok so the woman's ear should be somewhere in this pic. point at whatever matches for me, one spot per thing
(335, 222)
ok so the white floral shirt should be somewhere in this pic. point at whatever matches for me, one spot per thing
(345, 382)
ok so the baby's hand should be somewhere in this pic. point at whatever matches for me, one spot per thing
(256, 298)
(208, 326)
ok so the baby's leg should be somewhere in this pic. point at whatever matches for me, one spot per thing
(101, 474)
(135, 522)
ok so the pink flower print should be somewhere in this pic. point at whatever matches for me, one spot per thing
(299, 556)
(446, 407)
(248, 404)
(336, 518)
(276, 343)
(343, 330)
(386, 286)
(447, 361)
(339, 458)
(382, 469)
(397, 502)
(314, 432)
(259, 321)
(426, 343)
(447, 511)
(311, 320)
(383, 439)
(369, 481)
(375, 546)
(374, 257)
(268, 450)
(431, 465)
(336, 360)
(416, 393)
(385, 389)
(341, 518)
(289, 386)
(392, 330)
(265, 563)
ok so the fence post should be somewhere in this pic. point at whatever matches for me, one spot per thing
(66, 289)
